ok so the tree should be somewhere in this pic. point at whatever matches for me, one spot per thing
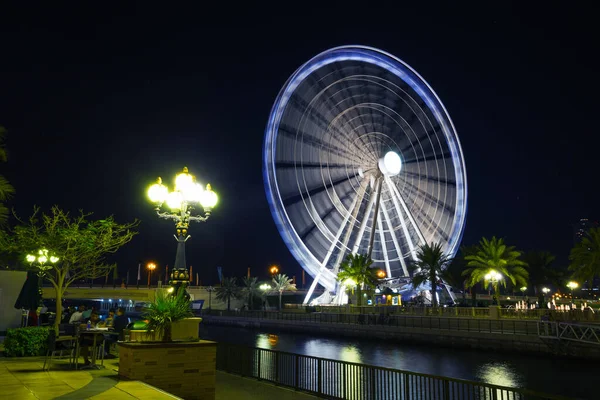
(281, 283)
(356, 270)
(453, 272)
(6, 189)
(429, 266)
(493, 256)
(227, 290)
(541, 272)
(585, 257)
(80, 244)
(250, 289)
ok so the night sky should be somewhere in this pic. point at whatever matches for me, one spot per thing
(99, 102)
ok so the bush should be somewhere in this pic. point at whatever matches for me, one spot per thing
(24, 342)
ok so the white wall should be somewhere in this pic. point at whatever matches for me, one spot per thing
(11, 283)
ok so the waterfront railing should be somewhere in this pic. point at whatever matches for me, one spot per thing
(499, 326)
(334, 379)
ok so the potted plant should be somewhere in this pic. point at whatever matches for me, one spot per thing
(166, 310)
(185, 368)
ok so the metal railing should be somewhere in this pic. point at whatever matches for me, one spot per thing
(589, 334)
(333, 379)
(509, 326)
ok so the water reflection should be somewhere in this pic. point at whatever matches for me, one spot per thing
(498, 373)
(535, 372)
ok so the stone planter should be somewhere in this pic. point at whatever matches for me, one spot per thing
(184, 369)
(182, 330)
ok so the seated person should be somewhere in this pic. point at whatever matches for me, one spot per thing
(77, 316)
(120, 322)
(88, 312)
(110, 319)
(86, 340)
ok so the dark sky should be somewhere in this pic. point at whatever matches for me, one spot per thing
(99, 101)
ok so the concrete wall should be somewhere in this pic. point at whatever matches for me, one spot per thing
(11, 283)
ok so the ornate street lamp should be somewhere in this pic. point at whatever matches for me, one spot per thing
(181, 202)
(494, 277)
(44, 261)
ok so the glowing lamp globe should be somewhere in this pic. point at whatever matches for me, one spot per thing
(53, 259)
(30, 258)
(193, 193)
(158, 192)
(390, 164)
(42, 259)
(208, 198)
(183, 181)
(174, 200)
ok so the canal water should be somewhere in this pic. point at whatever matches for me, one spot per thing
(562, 376)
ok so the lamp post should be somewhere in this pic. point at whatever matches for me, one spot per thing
(274, 270)
(572, 285)
(265, 287)
(181, 202)
(494, 277)
(210, 290)
(151, 267)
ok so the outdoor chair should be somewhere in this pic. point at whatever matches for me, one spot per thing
(96, 351)
(58, 345)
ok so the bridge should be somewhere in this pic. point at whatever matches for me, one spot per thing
(134, 295)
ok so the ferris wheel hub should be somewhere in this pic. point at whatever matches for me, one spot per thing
(390, 164)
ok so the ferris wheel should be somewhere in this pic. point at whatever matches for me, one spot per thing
(360, 156)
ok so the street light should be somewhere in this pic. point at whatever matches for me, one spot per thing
(265, 287)
(572, 285)
(42, 258)
(151, 267)
(381, 274)
(210, 290)
(181, 201)
(494, 277)
(274, 270)
(523, 289)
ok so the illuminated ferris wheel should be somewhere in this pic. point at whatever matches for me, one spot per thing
(360, 156)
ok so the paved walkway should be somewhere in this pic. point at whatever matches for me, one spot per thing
(23, 378)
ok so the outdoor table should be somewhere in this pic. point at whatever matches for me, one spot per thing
(95, 333)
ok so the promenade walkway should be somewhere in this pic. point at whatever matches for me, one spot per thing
(23, 378)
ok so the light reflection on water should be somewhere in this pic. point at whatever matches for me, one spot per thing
(540, 373)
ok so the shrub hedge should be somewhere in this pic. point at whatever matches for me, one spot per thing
(24, 342)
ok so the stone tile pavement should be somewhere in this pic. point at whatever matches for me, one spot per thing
(23, 378)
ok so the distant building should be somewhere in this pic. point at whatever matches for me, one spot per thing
(582, 227)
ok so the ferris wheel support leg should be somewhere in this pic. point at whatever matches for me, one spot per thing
(363, 225)
(312, 287)
(411, 246)
(408, 213)
(386, 215)
(384, 248)
(375, 215)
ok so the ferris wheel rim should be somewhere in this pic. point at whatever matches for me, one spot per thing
(403, 71)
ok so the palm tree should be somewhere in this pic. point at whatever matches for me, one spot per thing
(453, 272)
(166, 310)
(6, 189)
(281, 283)
(494, 257)
(227, 290)
(429, 266)
(356, 270)
(250, 289)
(541, 272)
(585, 257)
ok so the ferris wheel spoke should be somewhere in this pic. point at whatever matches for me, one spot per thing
(430, 157)
(433, 200)
(312, 165)
(315, 190)
(430, 178)
(386, 259)
(386, 215)
(406, 210)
